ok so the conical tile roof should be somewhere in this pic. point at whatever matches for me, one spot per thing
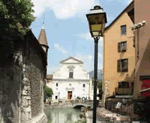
(42, 37)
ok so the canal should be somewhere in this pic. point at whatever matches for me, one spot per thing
(62, 115)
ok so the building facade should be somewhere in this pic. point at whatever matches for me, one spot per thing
(23, 73)
(142, 48)
(71, 81)
(119, 57)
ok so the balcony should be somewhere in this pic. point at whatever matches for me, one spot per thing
(123, 91)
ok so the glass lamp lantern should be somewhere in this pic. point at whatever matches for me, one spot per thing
(97, 20)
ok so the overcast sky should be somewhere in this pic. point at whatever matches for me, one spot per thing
(67, 28)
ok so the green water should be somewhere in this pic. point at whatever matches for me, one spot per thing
(62, 115)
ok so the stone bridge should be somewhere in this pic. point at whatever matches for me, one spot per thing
(79, 105)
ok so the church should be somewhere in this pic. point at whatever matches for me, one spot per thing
(71, 81)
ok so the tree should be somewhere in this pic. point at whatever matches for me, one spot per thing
(48, 91)
(15, 16)
(99, 84)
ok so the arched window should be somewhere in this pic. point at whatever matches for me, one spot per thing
(70, 74)
(56, 84)
(71, 71)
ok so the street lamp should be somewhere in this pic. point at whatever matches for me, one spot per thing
(97, 20)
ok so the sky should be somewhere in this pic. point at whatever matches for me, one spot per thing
(67, 29)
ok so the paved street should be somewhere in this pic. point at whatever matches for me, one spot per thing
(98, 118)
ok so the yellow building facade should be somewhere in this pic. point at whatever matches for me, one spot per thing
(119, 57)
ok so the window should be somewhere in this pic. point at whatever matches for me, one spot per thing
(83, 85)
(122, 65)
(56, 84)
(123, 84)
(123, 30)
(55, 97)
(70, 74)
(122, 46)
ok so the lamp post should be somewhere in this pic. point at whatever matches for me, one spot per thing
(96, 19)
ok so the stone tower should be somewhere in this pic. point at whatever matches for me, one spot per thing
(43, 40)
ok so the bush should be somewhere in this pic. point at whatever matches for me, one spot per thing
(48, 91)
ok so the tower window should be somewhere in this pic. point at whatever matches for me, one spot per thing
(56, 84)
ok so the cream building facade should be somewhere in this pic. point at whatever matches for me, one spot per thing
(119, 56)
(71, 81)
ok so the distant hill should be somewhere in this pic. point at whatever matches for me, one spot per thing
(100, 76)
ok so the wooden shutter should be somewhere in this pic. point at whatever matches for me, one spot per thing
(127, 84)
(119, 84)
(118, 47)
(126, 65)
(118, 66)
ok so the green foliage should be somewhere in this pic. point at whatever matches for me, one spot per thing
(99, 84)
(16, 16)
(48, 91)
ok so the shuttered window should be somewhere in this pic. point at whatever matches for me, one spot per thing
(122, 65)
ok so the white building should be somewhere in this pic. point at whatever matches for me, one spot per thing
(71, 81)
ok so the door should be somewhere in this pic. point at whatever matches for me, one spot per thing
(69, 94)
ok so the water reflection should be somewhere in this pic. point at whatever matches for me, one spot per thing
(62, 115)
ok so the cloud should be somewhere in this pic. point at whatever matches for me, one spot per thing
(60, 48)
(120, 1)
(86, 36)
(64, 8)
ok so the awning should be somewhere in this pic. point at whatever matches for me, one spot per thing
(145, 89)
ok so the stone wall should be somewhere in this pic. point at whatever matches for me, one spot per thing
(22, 74)
(34, 71)
(10, 79)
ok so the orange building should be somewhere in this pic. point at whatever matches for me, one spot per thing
(119, 57)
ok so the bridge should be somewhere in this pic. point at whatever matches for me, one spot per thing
(79, 104)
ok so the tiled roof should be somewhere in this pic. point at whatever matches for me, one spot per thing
(42, 37)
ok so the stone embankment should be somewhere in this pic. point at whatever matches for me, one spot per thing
(103, 116)
(60, 105)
